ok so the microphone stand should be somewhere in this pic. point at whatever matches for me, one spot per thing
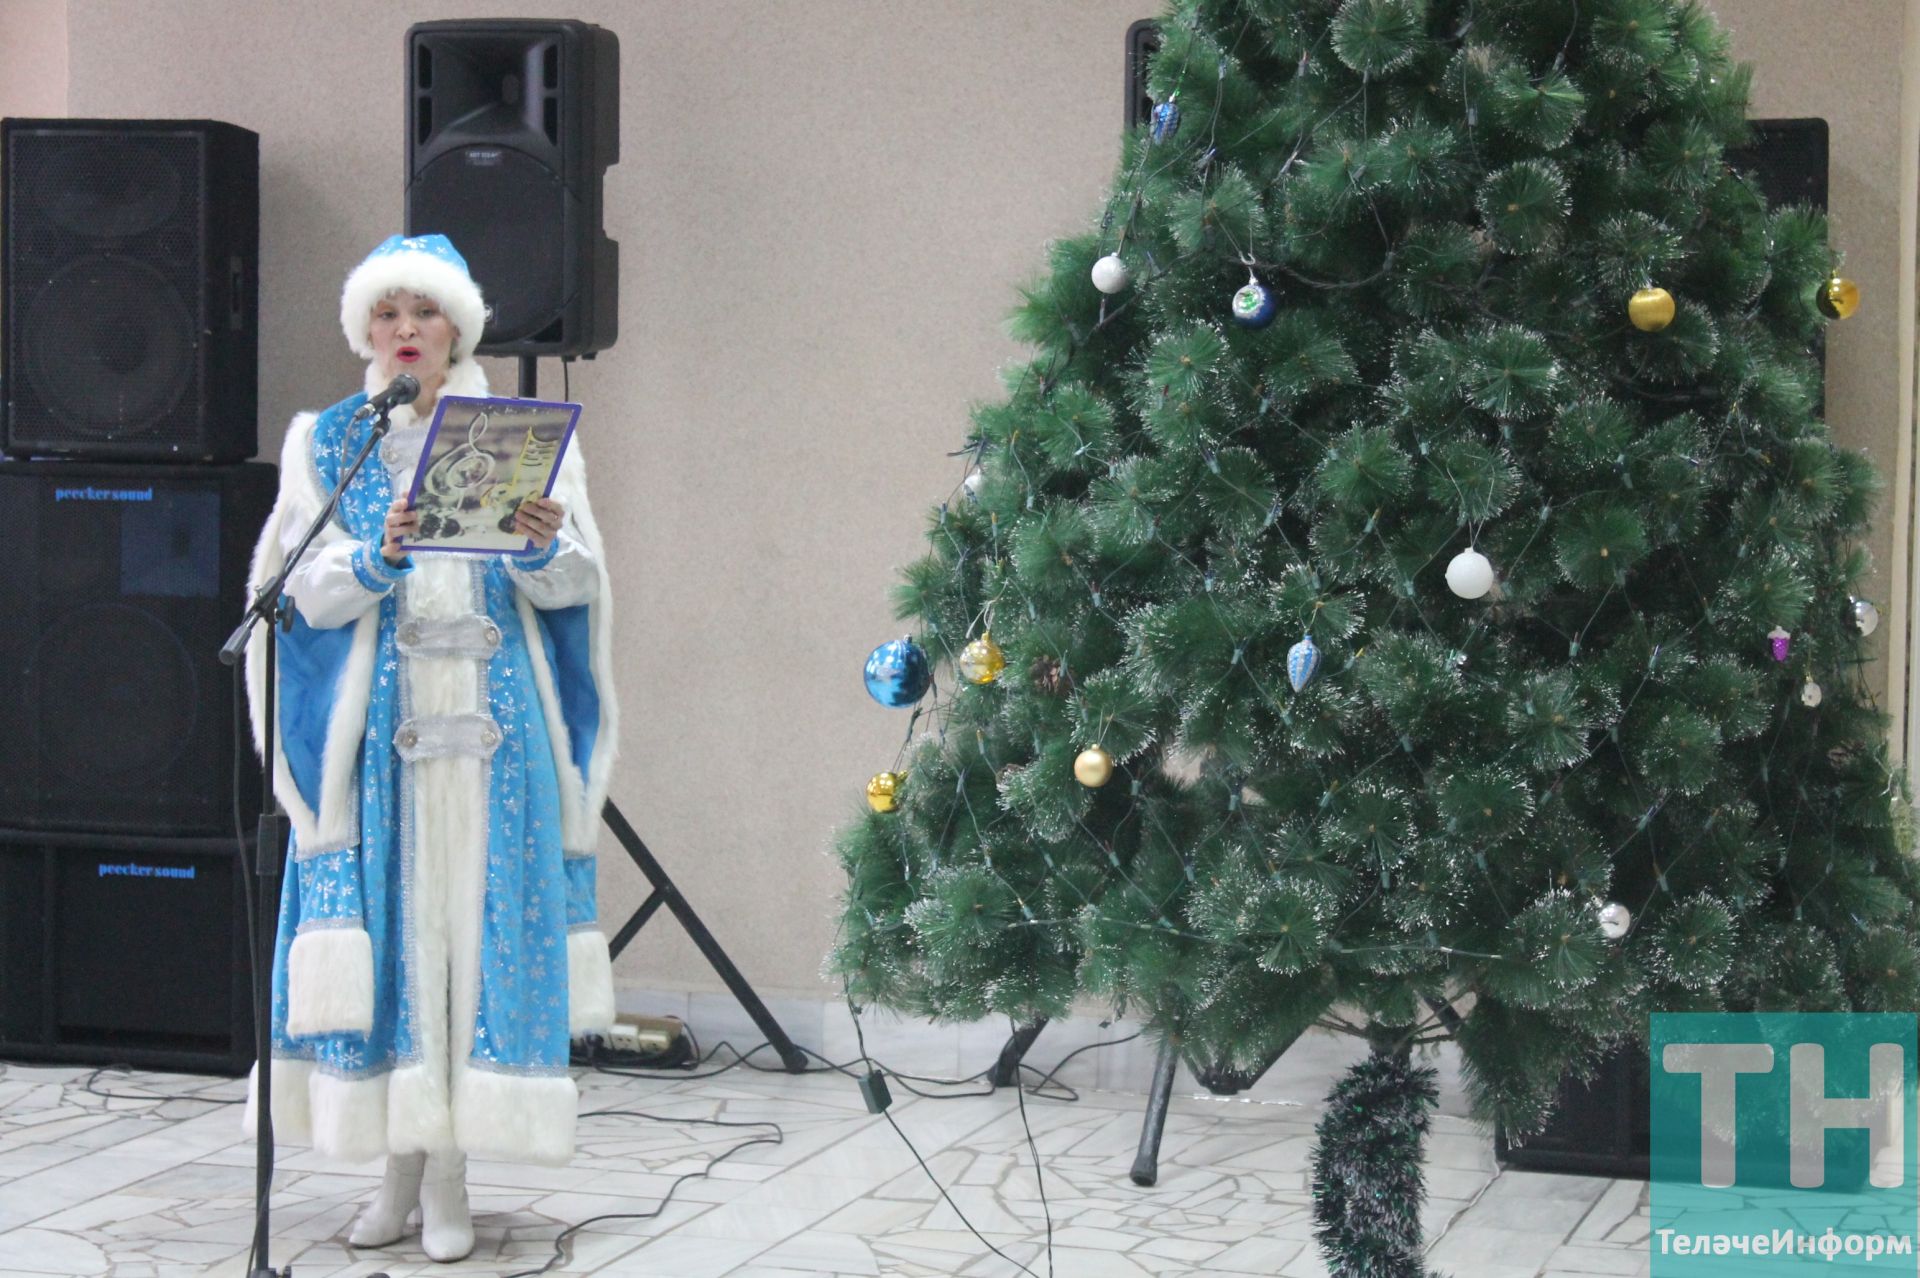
(270, 606)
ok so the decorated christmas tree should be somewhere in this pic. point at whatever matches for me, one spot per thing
(1409, 589)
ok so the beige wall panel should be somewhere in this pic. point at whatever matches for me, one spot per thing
(822, 210)
(33, 57)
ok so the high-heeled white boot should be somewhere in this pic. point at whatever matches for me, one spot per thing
(384, 1220)
(446, 1221)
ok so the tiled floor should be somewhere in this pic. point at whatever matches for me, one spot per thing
(95, 1186)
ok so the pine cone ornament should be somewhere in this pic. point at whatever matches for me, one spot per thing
(1049, 678)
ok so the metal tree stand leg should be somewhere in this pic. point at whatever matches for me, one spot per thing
(665, 893)
(1218, 1079)
(1146, 1163)
(1006, 1070)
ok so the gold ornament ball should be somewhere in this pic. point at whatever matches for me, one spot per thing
(1651, 309)
(883, 791)
(1094, 767)
(982, 661)
(1838, 298)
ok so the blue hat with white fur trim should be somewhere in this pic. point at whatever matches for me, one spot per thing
(424, 264)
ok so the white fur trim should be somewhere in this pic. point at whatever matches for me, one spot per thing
(344, 1118)
(466, 378)
(581, 797)
(515, 1117)
(419, 1110)
(589, 983)
(330, 982)
(335, 823)
(292, 1111)
(421, 273)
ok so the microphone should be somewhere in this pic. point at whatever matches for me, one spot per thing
(403, 389)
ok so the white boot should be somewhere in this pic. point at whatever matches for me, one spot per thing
(446, 1223)
(384, 1220)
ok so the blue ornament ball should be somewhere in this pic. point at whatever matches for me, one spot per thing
(1166, 120)
(1253, 305)
(1303, 663)
(898, 673)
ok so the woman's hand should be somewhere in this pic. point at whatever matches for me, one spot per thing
(403, 523)
(540, 519)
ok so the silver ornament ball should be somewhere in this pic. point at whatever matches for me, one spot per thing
(1470, 575)
(1615, 919)
(1110, 274)
(1866, 617)
(1810, 694)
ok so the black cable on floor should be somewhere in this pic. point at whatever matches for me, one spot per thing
(560, 1239)
(93, 1079)
(860, 1036)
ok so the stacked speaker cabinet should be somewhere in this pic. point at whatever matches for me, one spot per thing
(130, 288)
(511, 127)
(128, 302)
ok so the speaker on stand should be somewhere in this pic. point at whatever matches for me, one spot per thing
(511, 126)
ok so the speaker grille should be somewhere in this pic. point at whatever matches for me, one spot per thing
(115, 712)
(110, 352)
(517, 260)
(105, 187)
(140, 689)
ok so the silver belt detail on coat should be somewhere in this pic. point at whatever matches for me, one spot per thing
(472, 635)
(446, 736)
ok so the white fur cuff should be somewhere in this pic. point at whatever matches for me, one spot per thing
(514, 1117)
(342, 1118)
(589, 983)
(330, 982)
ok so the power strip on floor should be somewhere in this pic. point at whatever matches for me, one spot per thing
(637, 1042)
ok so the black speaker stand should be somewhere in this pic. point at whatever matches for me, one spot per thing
(271, 606)
(664, 891)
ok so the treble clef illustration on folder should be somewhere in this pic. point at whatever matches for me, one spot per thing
(483, 458)
(460, 474)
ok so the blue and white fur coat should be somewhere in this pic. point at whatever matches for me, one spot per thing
(447, 732)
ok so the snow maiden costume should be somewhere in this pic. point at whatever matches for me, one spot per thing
(447, 730)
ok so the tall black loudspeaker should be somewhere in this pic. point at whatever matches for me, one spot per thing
(130, 289)
(511, 126)
(121, 584)
(124, 950)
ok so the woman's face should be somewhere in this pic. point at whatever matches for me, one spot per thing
(411, 334)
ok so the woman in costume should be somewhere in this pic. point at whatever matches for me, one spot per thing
(447, 729)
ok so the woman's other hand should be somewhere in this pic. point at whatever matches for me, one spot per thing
(403, 524)
(540, 519)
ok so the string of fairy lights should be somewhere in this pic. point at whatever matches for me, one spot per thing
(900, 674)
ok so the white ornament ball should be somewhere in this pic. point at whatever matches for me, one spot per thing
(972, 484)
(1810, 694)
(1110, 274)
(1866, 617)
(1615, 919)
(1470, 575)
